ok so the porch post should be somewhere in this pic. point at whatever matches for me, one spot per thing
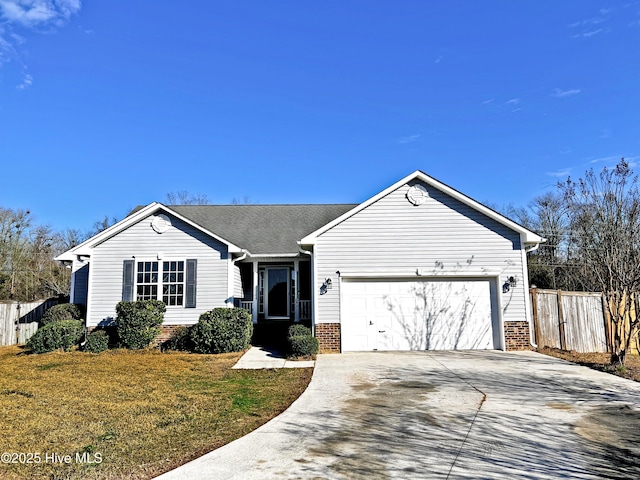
(256, 292)
(296, 293)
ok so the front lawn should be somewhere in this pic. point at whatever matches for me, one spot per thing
(132, 414)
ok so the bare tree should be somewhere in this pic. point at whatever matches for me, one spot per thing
(185, 198)
(605, 224)
(27, 268)
(554, 263)
(551, 265)
(14, 246)
(101, 225)
(246, 200)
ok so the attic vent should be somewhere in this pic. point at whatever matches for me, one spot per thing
(417, 194)
(160, 223)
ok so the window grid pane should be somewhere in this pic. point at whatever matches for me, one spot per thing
(147, 281)
(173, 283)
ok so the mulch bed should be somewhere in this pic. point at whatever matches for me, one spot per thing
(599, 361)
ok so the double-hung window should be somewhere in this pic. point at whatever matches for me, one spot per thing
(173, 281)
(147, 281)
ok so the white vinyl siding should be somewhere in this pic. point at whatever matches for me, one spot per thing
(442, 237)
(237, 282)
(141, 243)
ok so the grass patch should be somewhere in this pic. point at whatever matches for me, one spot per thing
(142, 413)
(599, 361)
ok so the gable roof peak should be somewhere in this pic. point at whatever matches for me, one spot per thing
(530, 238)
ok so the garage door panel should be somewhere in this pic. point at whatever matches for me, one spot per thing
(418, 315)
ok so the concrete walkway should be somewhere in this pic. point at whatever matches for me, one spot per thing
(442, 415)
(260, 357)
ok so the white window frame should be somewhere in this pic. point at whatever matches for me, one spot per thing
(160, 283)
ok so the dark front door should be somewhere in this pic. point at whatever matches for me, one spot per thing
(278, 302)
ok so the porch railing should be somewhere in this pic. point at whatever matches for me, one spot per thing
(305, 309)
(247, 305)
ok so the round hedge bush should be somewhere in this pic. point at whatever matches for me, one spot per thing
(298, 330)
(97, 341)
(222, 330)
(62, 334)
(138, 323)
(303, 346)
(63, 311)
(301, 342)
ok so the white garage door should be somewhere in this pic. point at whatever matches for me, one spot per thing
(417, 315)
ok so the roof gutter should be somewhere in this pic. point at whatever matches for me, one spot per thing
(242, 257)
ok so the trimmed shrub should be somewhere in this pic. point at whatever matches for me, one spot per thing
(222, 330)
(97, 341)
(298, 330)
(63, 311)
(62, 334)
(138, 323)
(303, 346)
(301, 342)
(179, 340)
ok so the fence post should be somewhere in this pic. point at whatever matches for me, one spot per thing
(563, 341)
(534, 313)
(17, 323)
(607, 323)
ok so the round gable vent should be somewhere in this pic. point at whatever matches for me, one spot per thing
(417, 194)
(161, 223)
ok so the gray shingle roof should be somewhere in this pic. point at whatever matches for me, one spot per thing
(263, 229)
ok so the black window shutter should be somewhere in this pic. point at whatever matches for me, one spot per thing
(192, 266)
(127, 280)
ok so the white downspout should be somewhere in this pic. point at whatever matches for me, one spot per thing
(231, 283)
(527, 299)
(313, 289)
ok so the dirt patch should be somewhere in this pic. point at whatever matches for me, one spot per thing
(598, 361)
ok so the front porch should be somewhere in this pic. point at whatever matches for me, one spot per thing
(276, 290)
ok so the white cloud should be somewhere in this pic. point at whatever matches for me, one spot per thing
(558, 93)
(488, 101)
(409, 139)
(609, 159)
(513, 101)
(588, 21)
(590, 33)
(563, 172)
(26, 82)
(35, 13)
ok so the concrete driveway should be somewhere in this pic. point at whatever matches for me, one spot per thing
(442, 415)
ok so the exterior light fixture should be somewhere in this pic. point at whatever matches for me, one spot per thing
(325, 286)
(510, 283)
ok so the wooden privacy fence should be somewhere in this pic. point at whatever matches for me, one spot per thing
(570, 320)
(19, 320)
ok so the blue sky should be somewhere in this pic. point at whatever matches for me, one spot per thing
(109, 105)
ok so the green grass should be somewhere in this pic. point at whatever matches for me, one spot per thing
(140, 413)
